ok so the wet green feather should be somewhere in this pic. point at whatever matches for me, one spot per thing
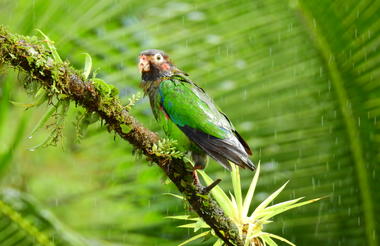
(187, 105)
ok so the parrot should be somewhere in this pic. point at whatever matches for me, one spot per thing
(188, 115)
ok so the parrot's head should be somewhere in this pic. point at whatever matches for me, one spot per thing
(155, 64)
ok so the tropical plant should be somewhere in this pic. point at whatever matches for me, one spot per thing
(251, 226)
(24, 222)
(300, 80)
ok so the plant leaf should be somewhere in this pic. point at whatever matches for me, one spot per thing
(218, 243)
(237, 188)
(44, 119)
(280, 238)
(195, 238)
(268, 240)
(87, 65)
(51, 46)
(268, 200)
(251, 191)
(283, 209)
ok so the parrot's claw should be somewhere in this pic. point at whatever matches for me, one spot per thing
(207, 189)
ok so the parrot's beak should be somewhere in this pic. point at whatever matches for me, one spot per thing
(144, 65)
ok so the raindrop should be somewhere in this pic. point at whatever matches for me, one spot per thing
(227, 85)
(30, 137)
(196, 16)
(246, 126)
(32, 149)
(245, 95)
(291, 27)
(213, 39)
(261, 196)
(240, 64)
(270, 166)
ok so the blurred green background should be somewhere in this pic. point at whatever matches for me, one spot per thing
(299, 79)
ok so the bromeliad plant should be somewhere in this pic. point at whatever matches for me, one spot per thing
(250, 225)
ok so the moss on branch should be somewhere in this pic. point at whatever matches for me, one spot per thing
(31, 55)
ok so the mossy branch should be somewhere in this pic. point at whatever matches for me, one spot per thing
(31, 55)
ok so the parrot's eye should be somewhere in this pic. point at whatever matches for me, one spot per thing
(158, 57)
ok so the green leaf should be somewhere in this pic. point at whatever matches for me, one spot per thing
(268, 200)
(268, 240)
(195, 238)
(182, 217)
(174, 195)
(237, 188)
(276, 207)
(196, 226)
(48, 114)
(25, 225)
(218, 243)
(271, 213)
(28, 223)
(87, 66)
(251, 191)
(280, 238)
(51, 46)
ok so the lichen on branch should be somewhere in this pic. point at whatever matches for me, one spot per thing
(37, 58)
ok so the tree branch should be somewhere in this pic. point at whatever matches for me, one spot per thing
(31, 55)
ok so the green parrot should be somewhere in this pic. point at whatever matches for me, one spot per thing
(187, 114)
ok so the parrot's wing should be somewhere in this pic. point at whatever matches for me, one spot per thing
(194, 112)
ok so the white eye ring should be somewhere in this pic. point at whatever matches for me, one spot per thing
(158, 57)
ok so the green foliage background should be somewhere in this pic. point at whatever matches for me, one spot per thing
(299, 79)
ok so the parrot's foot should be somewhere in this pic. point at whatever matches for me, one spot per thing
(196, 179)
(207, 189)
(195, 175)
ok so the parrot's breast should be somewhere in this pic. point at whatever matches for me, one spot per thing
(171, 130)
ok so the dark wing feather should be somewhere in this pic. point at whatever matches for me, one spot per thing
(222, 150)
(241, 140)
